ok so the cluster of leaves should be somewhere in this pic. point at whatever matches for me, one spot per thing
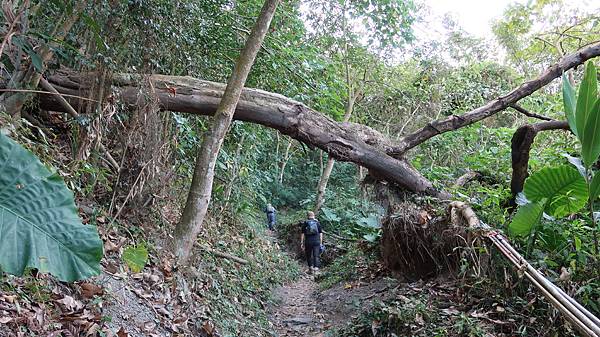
(355, 263)
(563, 190)
(353, 218)
(415, 316)
(37, 305)
(240, 294)
(535, 34)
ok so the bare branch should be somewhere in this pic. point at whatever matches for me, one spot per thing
(529, 114)
(455, 122)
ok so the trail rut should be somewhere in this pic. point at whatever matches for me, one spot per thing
(298, 313)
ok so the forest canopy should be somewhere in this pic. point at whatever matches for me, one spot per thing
(148, 137)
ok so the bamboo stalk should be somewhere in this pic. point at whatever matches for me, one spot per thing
(548, 287)
(583, 319)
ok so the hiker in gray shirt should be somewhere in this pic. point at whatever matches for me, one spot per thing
(270, 210)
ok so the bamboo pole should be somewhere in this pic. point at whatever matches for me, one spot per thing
(581, 318)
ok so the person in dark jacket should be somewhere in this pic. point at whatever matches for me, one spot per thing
(311, 240)
(270, 210)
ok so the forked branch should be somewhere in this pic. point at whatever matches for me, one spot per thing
(455, 122)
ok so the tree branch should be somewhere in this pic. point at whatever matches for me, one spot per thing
(529, 114)
(522, 141)
(455, 122)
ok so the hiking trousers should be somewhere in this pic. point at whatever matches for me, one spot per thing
(271, 220)
(313, 255)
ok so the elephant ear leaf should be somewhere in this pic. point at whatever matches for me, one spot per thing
(563, 187)
(39, 224)
(526, 218)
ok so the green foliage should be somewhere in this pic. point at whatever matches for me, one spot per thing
(239, 295)
(39, 226)
(343, 268)
(591, 144)
(536, 33)
(527, 217)
(136, 257)
(586, 98)
(567, 189)
(595, 187)
(570, 104)
(563, 187)
(347, 215)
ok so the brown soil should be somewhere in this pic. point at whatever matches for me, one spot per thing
(305, 310)
(298, 313)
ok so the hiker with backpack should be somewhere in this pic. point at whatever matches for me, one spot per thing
(311, 241)
(270, 210)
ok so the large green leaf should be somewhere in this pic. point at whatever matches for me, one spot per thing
(39, 224)
(527, 217)
(595, 187)
(570, 103)
(590, 148)
(586, 98)
(563, 187)
(136, 257)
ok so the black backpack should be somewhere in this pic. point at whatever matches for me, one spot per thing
(312, 227)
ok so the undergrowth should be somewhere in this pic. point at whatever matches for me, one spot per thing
(357, 263)
(239, 295)
(419, 314)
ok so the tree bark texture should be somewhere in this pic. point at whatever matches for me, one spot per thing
(343, 141)
(521, 143)
(322, 186)
(200, 192)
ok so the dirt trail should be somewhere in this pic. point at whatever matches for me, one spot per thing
(305, 310)
(298, 312)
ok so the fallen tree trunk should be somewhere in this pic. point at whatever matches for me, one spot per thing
(343, 141)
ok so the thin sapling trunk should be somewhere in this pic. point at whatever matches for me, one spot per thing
(200, 192)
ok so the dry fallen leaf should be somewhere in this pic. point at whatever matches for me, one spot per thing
(89, 290)
(424, 217)
(122, 333)
(5, 319)
(375, 326)
(208, 327)
(419, 319)
(109, 246)
(8, 298)
(149, 326)
(70, 303)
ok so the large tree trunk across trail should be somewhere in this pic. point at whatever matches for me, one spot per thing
(343, 141)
